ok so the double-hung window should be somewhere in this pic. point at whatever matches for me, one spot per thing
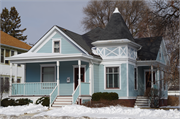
(112, 77)
(56, 46)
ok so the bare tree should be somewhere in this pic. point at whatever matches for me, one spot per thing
(166, 24)
(98, 13)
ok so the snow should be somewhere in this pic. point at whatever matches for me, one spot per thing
(115, 112)
(18, 110)
(118, 112)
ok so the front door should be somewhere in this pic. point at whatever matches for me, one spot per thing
(76, 76)
(148, 79)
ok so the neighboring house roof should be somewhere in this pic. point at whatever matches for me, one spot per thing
(6, 39)
(116, 29)
(150, 47)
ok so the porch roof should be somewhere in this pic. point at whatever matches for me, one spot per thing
(154, 63)
(49, 57)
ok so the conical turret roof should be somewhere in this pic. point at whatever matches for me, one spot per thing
(116, 28)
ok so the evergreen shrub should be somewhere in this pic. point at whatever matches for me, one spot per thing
(104, 96)
(11, 102)
(43, 101)
(23, 101)
(7, 102)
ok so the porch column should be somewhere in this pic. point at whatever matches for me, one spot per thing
(159, 78)
(57, 63)
(151, 76)
(10, 80)
(79, 78)
(90, 79)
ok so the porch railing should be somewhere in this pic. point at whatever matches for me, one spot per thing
(75, 95)
(53, 95)
(35, 88)
(84, 88)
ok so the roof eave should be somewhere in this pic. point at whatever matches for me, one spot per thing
(14, 47)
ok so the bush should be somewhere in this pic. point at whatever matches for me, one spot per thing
(7, 102)
(104, 96)
(43, 101)
(11, 102)
(22, 101)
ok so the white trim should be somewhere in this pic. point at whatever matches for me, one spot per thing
(76, 66)
(127, 79)
(55, 40)
(110, 65)
(116, 42)
(41, 42)
(48, 65)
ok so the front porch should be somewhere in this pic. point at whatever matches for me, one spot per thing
(56, 78)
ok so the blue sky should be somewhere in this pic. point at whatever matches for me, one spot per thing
(38, 16)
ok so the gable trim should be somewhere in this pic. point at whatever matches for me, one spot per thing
(40, 43)
(72, 41)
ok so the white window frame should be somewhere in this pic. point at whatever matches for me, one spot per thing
(48, 65)
(55, 40)
(119, 66)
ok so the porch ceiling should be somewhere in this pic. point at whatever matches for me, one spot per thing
(49, 57)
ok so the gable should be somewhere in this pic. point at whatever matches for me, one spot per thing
(163, 52)
(67, 45)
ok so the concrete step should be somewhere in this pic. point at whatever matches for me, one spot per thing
(62, 102)
(142, 98)
(64, 99)
(142, 101)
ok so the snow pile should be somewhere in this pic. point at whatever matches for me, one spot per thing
(112, 112)
(18, 110)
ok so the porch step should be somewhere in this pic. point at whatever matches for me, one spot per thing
(142, 101)
(62, 101)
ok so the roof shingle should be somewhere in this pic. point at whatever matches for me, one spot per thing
(6, 39)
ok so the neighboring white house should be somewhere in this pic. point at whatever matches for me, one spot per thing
(11, 46)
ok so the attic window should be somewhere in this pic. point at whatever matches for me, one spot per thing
(56, 46)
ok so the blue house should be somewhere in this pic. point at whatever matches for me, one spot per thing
(69, 67)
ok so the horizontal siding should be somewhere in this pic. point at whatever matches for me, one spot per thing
(99, 80)
(132, 91)
(67, 47)
(96, 78)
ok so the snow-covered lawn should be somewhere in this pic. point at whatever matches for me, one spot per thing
(115, 112)
(18, 110)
